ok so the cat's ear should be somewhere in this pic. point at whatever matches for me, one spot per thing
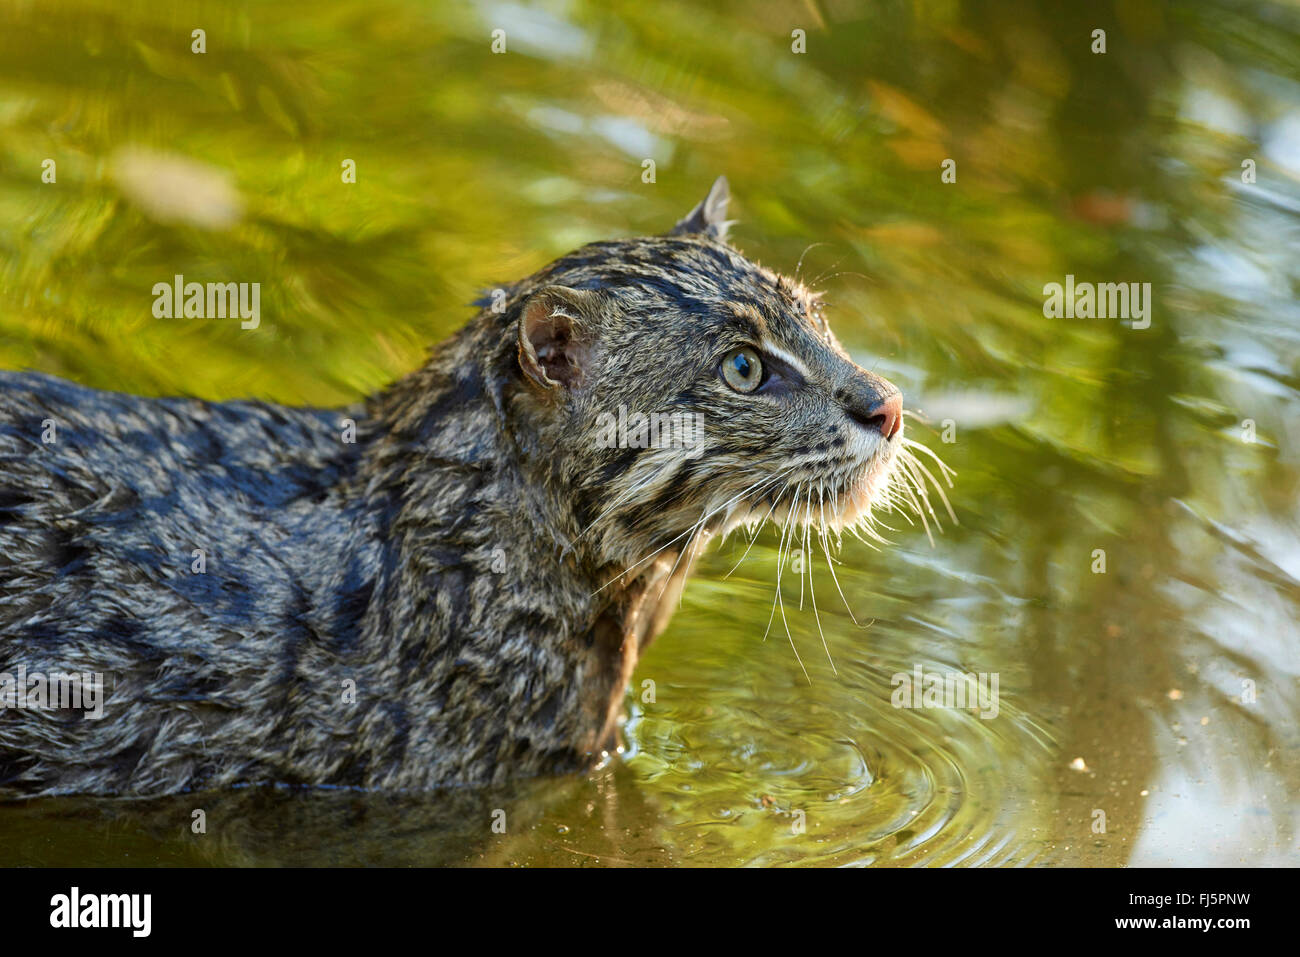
(709, 217)
(556, 331)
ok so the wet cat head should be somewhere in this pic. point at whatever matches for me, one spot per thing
(683, 390)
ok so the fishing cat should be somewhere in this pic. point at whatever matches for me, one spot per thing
(446, 584)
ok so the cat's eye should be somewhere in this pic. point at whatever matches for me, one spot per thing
(742, 369)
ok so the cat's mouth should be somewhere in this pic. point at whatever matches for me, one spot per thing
(864, 489)
(896, 479)
(891, 477)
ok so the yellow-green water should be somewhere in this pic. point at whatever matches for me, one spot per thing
(1159, 696)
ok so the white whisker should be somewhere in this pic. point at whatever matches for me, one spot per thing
(812, 587)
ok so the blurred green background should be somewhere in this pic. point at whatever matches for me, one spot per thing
(1162, 693)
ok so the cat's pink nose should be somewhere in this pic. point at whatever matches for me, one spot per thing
(872, 402)
(875, 404)
(886, 415)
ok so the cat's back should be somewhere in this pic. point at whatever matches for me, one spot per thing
(103, 495)
(77, 444)
(176, 548)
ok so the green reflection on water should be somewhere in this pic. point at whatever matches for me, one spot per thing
(1121, 692)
